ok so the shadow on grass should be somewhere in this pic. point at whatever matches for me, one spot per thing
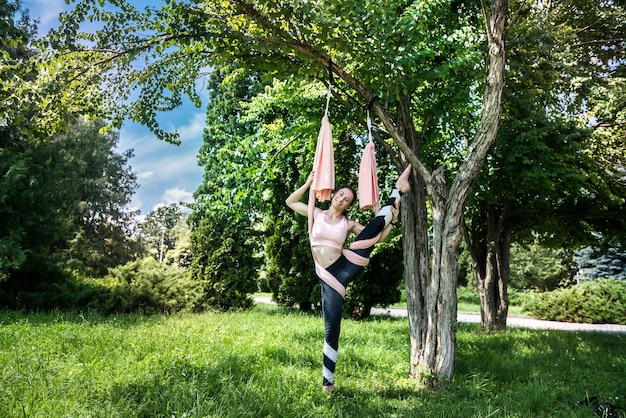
(539, 373)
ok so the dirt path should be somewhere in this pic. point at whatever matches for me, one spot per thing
(517, 321)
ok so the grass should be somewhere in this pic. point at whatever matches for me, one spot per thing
(267, 362)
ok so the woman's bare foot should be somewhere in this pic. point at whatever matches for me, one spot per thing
(329, 388)
(403, 181)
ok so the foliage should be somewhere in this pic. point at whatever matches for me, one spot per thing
(153, 287)
(536, 267)
(468, 298)
(62, 196)
(180, 255)
(144, 286)
(379, 285)
(467, 294)
(98, 185)
(546, 178)
(429, 46)
(63, 205)
(267, 362)
(599, 301)
(465, 276)
(594, 263)
(225, 218)
(17, 33)
(224, 262)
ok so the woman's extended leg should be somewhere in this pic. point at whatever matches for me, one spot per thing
(332, 304)
(364, 243)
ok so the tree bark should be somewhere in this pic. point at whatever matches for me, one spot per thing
(490, 251)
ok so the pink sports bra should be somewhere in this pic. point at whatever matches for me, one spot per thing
(329, 235)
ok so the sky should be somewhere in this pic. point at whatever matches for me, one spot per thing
(166, 173)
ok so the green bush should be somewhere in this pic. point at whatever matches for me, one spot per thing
(150, 287)
(145, 286)
(467, 294)
(598, 302)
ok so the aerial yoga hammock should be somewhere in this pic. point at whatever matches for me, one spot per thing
(336, 277)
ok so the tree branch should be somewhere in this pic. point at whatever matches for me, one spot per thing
(298, 46)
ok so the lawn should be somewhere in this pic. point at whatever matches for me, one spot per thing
(267, 362)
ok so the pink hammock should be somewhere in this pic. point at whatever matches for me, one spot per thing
(368, 179)
(324, 167)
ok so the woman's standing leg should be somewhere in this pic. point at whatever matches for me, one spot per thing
(332, 304)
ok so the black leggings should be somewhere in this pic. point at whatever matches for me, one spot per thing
(332, 301)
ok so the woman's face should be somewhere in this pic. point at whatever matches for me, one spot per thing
(343, 198)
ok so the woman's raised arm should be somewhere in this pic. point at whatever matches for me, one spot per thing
(293, 201)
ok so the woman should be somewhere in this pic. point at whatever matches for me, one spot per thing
(337, 267)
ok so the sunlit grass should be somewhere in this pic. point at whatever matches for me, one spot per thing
(267, 362)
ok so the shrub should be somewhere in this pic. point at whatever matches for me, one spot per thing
(537, 267)
(145, 286)
(151, 287)
(379, 285)
(599, 302)
(467, 294)
(225, 259)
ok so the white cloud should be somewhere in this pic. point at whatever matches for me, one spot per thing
(194, 129)
(144, 175)
(175, 195)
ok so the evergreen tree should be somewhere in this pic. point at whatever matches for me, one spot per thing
(596, 263)
(63, 205)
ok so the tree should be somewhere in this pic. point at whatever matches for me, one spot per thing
(594, 263)
(225, 217)
(416, 64)
(222, 260)
(15, 33)
(536, 267)
(63, 205)
(61, 196)
(543, 179)
(98, 186)
(180, 255)
(157, 229)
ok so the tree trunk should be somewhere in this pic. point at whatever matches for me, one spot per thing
(421, 310)
(490, 264)
(431, 278)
